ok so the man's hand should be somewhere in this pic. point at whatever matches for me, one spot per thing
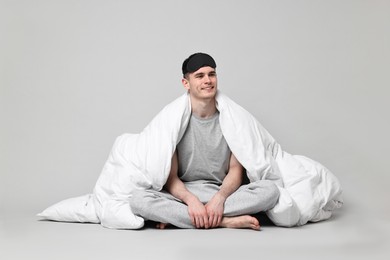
(175, 186)
(198, 214)
(215, 209)
(230, 184)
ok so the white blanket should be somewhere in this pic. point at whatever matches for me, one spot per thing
(308, 191)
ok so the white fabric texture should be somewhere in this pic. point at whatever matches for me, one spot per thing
(308, 191)
(78, 209)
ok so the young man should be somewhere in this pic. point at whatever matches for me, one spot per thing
(204, 188)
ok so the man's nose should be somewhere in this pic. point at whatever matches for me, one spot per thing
(207, 79)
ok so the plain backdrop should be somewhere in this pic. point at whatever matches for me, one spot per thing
(76, 74)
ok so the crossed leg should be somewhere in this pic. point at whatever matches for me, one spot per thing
(165, 209)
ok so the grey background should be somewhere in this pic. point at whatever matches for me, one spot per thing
(76, 74)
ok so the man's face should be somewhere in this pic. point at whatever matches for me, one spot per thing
(202, 84)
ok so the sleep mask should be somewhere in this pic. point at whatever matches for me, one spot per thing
(197, 61)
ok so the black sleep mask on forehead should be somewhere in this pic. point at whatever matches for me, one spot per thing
(197, 61)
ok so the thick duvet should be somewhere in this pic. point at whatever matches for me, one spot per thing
(308, 191)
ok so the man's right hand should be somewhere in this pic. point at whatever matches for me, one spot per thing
(196, 210)
(198, 214)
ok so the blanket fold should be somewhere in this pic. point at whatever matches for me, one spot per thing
(308, 191)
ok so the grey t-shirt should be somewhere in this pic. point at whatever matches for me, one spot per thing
(203, 153)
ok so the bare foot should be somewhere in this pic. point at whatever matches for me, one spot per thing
(245, 221)
(162, 225)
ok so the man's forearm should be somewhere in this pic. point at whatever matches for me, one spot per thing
(231, 182)
(177, 188)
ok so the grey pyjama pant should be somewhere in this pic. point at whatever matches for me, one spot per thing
(161, 206)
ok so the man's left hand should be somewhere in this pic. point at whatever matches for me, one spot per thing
(215, 209)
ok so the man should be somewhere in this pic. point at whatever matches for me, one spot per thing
(204, 188)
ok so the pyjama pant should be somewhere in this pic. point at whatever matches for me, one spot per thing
(161, 206)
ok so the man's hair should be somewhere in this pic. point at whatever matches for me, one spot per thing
(197, 61)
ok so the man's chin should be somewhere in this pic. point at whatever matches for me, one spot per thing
(210, 95)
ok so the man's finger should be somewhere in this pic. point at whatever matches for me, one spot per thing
(219, 220)
(212, 221)
(196, 222)
(202, 222)
(206, 222)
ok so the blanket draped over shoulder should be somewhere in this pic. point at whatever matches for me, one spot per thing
(308, 191)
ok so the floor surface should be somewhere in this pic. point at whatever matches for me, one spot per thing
(350, 234)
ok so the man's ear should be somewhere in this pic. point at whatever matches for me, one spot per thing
(185, 83)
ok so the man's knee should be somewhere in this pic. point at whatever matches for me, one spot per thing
(269, 193)
(138, 201)
(273, 194)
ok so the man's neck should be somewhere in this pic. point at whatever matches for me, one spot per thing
(204, 108)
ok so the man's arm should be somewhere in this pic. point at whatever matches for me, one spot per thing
(176, 187)
(230, 184)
